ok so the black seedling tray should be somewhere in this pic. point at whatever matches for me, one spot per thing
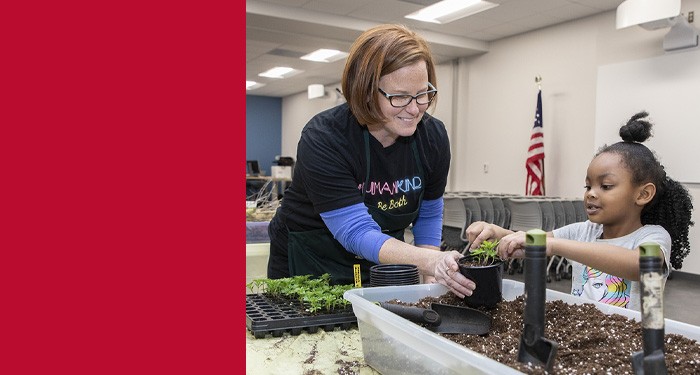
(265, 315)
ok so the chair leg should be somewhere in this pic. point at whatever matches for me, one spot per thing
(567, 271)
(559, 274)
(549, 266)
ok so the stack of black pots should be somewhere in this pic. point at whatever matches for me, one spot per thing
(393, 274)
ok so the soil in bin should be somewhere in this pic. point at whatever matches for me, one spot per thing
(590, 341)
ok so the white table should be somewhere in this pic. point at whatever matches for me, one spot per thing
(335, 352)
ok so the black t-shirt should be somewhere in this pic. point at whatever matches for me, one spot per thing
(330, 169)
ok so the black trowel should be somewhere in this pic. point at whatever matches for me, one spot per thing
(651, 359)
(534, 347)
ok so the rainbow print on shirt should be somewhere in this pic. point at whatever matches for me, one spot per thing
(603, 287)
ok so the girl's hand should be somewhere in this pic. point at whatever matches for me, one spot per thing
(512, 246)
(446, 272)
(479, 231)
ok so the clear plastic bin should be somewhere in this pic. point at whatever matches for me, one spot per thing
(393, 345)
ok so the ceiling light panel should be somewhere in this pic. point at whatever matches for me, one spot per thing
(280, 72)
(449, 10)
(325, 55)
(252, 85)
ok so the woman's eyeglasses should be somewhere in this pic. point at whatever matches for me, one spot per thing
(403, 100)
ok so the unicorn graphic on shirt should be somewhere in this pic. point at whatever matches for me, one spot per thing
(605, 288)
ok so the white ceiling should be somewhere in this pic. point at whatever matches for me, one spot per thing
(278, 32)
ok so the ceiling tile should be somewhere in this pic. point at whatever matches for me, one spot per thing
(385, 10)
(334, 7)
(572, 11)
(306, 25)
(599, 4)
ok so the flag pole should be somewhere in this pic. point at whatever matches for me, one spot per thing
(534, 165)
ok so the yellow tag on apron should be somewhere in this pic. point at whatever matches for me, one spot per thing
(358, 276)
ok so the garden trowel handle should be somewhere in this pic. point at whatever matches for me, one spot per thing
(414, 314)
(651, 359)
(534, 347)
(535, 288)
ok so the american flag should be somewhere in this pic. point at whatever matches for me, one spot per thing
(535, 155)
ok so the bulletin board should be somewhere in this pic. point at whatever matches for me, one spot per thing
(668, 87)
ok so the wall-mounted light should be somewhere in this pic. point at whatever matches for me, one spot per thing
(650, 14)
(325, 55)
(449, 10)
(654, 15)
(280, 72)
(682, 35)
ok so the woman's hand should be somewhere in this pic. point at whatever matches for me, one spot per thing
(429, 279)
(512, 246)
(446, 272)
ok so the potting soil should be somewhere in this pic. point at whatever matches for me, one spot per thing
(590, 341)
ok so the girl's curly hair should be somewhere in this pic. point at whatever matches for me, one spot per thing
(672, 205)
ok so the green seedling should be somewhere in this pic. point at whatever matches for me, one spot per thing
(315, 294)
(486, 253)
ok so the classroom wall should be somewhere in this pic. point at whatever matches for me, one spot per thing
(263, 125)
(298, 109)
(491, 113)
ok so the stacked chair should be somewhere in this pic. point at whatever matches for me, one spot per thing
(486, 207)
(580, 210)
(512, 211)
(499, 211)
(455, 220)
(569, 211)
(471, 205)
(525, 214)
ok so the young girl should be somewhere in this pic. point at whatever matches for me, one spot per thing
(629, 200)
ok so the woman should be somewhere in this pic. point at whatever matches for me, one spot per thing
(368, 169)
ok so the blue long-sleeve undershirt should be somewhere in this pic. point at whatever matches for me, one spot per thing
(427, 229)
(355, 229)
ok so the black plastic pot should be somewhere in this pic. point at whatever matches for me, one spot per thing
(488, 280)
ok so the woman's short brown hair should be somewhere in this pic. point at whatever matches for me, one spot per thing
(379, 51)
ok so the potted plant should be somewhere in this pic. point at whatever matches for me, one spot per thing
(483, 266)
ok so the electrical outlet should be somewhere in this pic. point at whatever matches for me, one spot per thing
(691, 16)
(486, 167)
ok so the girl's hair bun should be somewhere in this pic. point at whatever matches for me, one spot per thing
(637, 128)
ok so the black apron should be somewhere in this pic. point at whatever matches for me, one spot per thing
(316, 252)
